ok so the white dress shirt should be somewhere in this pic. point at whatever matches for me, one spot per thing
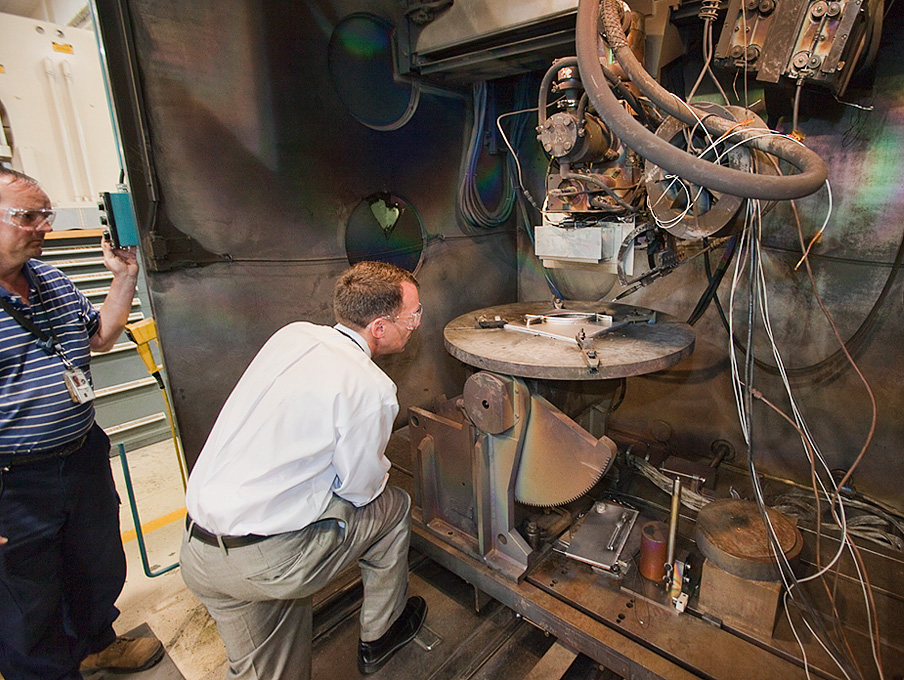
(310, 417)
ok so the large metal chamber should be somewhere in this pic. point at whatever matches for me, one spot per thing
(246, 166)
(242, 153)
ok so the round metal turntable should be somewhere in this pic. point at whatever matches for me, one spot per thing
(583, 341)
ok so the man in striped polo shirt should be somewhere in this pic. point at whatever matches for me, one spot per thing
(62, 564)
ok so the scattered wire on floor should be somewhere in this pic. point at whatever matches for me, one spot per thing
(869, 522)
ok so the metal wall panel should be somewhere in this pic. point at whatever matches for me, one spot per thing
(256, 157)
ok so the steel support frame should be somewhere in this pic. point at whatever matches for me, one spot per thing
(573, 628)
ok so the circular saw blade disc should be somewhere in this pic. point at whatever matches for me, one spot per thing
(560, 461)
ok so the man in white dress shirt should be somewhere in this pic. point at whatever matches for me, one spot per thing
(290, 487)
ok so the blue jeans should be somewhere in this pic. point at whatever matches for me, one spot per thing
(63, 567)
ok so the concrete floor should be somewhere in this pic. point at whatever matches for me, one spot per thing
(163, 602)
(456, 641)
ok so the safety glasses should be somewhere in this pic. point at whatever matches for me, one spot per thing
(411, 321)
(28, 218)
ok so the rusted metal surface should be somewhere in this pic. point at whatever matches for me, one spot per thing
(732, 534)
(579, 631)
(255, 156)
(631, 350)
(646, 616)
(603, 623)
(743, 604)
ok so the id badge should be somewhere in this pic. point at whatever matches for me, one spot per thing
(77, 383)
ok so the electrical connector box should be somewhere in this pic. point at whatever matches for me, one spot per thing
(118, 216)
(597, 244)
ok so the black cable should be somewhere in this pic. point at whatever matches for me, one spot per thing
(626, 94)
(714, 281)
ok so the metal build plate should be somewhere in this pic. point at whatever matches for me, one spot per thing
(602, 535)
(633, 349)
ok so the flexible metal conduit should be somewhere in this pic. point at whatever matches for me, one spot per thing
(812, 173)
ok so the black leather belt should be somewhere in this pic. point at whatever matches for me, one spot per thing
(58, 452)
(212, 539)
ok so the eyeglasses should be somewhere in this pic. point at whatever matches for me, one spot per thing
(411, 321)
(29, 218)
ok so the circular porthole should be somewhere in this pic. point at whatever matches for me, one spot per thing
(387, 228)
(362, 72)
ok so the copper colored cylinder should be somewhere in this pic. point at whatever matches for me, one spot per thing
(654, 548)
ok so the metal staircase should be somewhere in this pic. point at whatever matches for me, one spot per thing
(129, 404)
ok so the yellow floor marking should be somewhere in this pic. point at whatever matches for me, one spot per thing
(154, 524)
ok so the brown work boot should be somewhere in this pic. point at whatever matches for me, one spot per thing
(125, 655)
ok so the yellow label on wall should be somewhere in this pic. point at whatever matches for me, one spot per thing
(62, 47)
(2, 68)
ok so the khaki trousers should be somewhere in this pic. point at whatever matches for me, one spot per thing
(260, 595)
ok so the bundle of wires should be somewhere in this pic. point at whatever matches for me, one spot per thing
(469, 202)
(824, 485)
(868, 521)
(689, 498)
(747, 251)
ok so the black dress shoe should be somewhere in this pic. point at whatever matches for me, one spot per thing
(373, 655)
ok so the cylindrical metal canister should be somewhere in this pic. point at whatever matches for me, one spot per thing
(654, 545)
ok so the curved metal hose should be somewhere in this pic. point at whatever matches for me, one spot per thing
(813, 170)
(548, 77)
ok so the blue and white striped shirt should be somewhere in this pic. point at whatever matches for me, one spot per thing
(36, 411)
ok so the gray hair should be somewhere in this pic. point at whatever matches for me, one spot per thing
(14, 176)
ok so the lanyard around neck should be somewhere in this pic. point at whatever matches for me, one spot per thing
(49, 343)
(357, 344)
